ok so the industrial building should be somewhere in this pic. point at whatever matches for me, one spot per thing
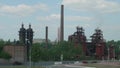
(96, 47)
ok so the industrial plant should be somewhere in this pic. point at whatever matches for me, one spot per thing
(96, 46)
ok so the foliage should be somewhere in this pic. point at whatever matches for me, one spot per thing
(116, 45)
(4, 55)
(36, 52)
(50, 52)
(2, 43)
(8, 42)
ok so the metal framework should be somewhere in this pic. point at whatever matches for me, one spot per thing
(97, 46)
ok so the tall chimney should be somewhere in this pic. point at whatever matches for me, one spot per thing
(46, 37)
(58, 34)
(62, 24)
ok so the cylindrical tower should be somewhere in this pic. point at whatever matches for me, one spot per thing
(22, 35)
(30, 34)
(46, 37)
(62, 24)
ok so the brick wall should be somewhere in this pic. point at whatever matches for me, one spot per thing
(18, 52)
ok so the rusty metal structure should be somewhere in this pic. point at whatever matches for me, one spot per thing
(79, 38)
(96, 47)
(98, 44)
(111, 52)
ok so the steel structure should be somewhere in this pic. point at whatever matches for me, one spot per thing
(97, 45)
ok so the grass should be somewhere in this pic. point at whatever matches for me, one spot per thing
(101, 66)
(20, 67)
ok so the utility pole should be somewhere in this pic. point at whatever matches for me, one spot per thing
(30, 54)
(30, 62)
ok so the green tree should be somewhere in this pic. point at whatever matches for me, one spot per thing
(116, 45)
(53, 52)
(2, 43)
(67, 49)
(36, 52)
(5, 55)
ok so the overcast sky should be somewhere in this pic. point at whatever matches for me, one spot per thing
(89, 14)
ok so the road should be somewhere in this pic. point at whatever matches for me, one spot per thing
(67, 66)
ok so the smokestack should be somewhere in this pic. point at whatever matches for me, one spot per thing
(62, 24)
(46, 35)
(59, 34)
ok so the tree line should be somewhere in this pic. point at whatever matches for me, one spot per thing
(4, 54)
(58, 51)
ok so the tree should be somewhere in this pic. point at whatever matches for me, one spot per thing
(53, 52)
(2, 43)
(5, 55)
(36, 53)
(116, 45)
(8, 42)
(67, 49)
